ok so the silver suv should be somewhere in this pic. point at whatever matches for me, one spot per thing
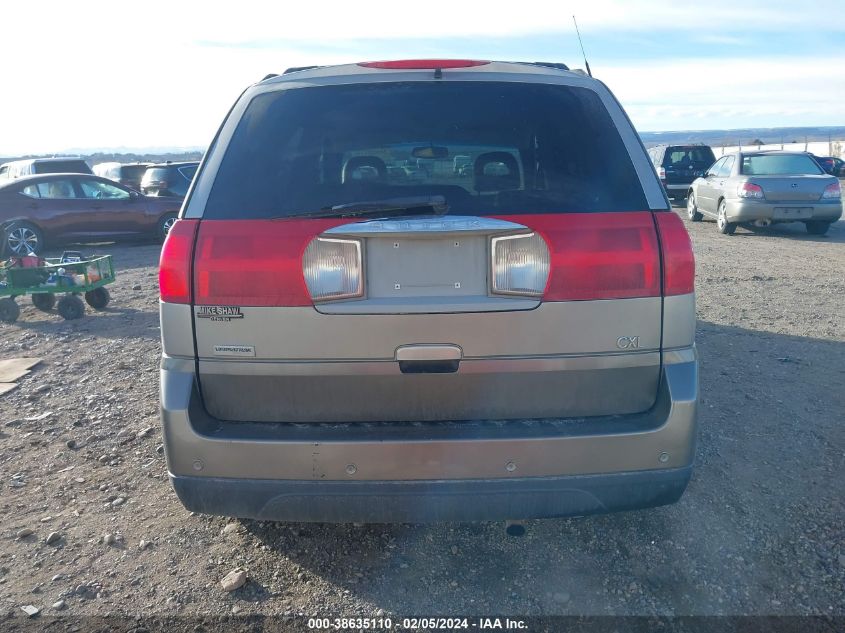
(354, 330)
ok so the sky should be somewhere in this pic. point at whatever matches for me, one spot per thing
(95, 74)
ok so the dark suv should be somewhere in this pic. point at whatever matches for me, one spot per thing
(168, 179)
(678, 165)
(127, 174)
(510, 339)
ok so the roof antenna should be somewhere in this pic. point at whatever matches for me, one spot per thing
(578, 33)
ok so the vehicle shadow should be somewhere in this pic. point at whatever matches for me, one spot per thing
(110, 323)
(757, 532)
(794, 230)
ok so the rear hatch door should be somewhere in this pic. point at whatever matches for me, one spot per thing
(537, 295)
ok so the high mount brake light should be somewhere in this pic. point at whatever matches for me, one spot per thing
(424, 64)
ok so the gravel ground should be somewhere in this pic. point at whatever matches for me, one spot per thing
(759, 531)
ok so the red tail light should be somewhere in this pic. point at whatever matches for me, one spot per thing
(254, 262)
(174, 270)
(421, 64)
(598, 255)
(678, 258)
(749, 190)
(832, 192)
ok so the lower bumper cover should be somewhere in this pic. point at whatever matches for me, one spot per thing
(424, 501)
(790, 211)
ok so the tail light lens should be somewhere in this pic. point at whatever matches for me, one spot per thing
(254, 262)
(598, 255)
(174, 270)
(520, 265)
(750, 190)
(678, 258)
(332, 269)
(832, 192)
(661, 173)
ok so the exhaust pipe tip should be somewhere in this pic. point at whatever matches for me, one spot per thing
(514, 528)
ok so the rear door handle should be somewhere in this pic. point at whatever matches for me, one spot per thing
(429, 359)
(428, 352)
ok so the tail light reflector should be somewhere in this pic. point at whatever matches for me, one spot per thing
(678, 258)
(333, 269)
(254, 262)
(520, 265)
(174, 270)
(832, 192)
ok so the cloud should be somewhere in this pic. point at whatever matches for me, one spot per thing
(732, 92)
(116, 75)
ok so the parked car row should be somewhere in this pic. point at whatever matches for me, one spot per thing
(751, 187)
(35, 166)
(60, 208)
(62, 199)
(168, 179)
(764, 188)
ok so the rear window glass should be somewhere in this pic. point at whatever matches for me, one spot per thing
(779, 165)
(188, 172)
(155, 174)
(133, 172)
(693, 157)
(62, 167)
(487, 147)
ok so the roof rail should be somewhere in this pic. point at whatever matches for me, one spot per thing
(296, 69)
(269, 76)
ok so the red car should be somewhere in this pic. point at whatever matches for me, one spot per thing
(55, 208)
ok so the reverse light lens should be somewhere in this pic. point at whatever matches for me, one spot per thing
(332, 269)
(520, 265)
(749, 190)
(832, 192)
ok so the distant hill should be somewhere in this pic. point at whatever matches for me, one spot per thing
(716, 138)
(141, 156)
(745, 136)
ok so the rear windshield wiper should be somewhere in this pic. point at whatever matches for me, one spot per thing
(414, 205)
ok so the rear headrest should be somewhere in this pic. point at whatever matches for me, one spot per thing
(496, 171)
(356, 163)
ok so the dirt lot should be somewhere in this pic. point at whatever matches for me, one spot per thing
(761, 529)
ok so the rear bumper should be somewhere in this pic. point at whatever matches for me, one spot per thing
(678, 190)
(430, 471)
(423, 501)
(750, 210)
